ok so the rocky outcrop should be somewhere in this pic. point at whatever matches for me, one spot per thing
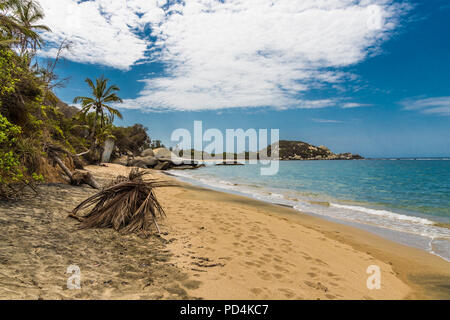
(158, 159)
(298, 150)
(148, 153)
(148, 162)
(122, 160)
(163, 153)
(230, 163)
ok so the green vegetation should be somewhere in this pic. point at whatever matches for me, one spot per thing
(132, 139)
(32, 118)
(10, 170)
(101, 94)
(157, 144)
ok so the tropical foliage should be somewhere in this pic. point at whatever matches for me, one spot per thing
(101, 95)
(10, 170)
(31, 115)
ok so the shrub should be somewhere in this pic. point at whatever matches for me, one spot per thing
(134, 138)
(10, 169)
(7, 66)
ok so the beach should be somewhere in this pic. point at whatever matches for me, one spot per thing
(213, 246)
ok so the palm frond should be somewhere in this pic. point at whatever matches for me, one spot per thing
(114, 112)
(91, 84)
(128, 205)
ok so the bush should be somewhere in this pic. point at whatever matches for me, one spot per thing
(134, 138)
(7, 66)
(10, 169)
(19, 160)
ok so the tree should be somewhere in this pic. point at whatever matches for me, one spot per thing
(18, 24)
(7, 23)
(101, 95)
(26, 14)
(156, 144)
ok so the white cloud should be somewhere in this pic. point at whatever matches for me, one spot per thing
(326, 121)
(352, 105)
(103, 32)
(437, 105)
(226, 54)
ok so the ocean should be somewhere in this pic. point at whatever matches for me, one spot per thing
(407, 201)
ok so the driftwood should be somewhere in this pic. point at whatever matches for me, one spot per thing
(80, 177)
(83, 153)
(77, 177)
(77, 162)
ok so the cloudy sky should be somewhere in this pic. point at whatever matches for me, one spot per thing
(369, 76)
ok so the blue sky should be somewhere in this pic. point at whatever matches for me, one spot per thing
(368, 77)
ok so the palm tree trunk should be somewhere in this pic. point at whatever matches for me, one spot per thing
(103, 119)
(94, 127)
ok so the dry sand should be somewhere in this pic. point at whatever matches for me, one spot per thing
(214, 246)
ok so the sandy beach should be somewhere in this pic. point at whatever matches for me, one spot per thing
(213, 246)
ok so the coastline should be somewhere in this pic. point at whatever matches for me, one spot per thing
(428, 232)
(410, 273)
(214, 246)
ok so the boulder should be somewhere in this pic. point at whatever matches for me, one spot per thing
(163, 165)
(148, 162)
(147, 153)
(191, 166)
(163, 153)
(230, 163)
(123, 160)
(138, 164)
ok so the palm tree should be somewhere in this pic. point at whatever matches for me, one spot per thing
(101, 94)
(18, 24)
(7, 23)
(26, 14)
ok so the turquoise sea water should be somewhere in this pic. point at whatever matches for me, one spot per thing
(400, 199)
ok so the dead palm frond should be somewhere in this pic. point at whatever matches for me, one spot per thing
(128, 205)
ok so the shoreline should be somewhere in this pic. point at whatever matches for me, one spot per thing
(427, 275)
(320, 208)
(214, 245)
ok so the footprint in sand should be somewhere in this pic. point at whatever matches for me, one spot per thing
(287, 293)
(191, 284)
(256, 291)
(334, 284)
(317, 286)
(264, 275)
(321, 262)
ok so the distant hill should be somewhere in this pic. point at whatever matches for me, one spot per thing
(68, 111)
(288, 150)
(298, 150)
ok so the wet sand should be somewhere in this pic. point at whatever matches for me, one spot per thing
(214, 246)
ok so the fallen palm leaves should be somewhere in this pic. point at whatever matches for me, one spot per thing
(128, 205)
